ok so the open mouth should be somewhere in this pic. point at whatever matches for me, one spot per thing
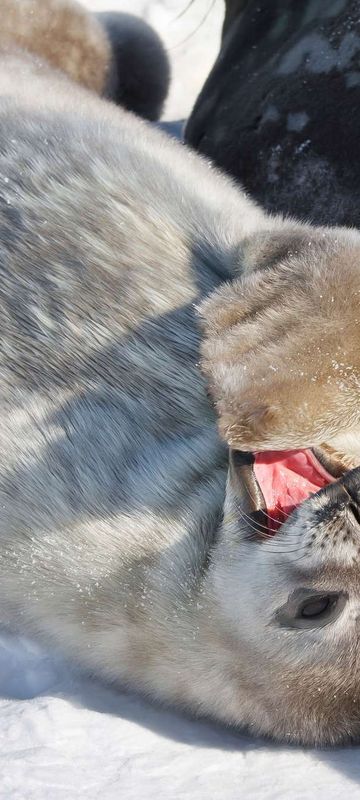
(286, 479)
(275, 483)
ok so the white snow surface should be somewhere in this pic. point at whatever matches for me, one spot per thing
(63, 736)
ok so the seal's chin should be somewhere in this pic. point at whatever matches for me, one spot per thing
(274, 483)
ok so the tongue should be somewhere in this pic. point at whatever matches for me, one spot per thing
(286, 479)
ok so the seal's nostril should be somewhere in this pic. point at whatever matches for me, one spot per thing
(351, 483)
(355, 510)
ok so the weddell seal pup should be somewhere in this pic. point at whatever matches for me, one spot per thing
(219, 573)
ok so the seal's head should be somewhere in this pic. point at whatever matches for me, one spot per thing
(282, 359)
(287, 581)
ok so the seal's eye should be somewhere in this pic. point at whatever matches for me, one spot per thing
(317, 606)
(307, 609)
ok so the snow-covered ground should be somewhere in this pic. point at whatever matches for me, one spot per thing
(63, 737)
(67, 738)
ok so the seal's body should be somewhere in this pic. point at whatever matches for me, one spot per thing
(127, 538)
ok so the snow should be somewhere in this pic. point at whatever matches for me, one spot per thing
(65, 736)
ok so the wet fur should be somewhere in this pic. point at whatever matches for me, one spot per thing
(122, 543)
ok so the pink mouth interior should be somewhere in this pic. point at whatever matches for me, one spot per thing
(286, 479)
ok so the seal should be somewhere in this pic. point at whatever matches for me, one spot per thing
(134, 537)
(272, 110)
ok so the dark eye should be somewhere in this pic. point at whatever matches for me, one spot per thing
(306, 609)
(317, 606)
